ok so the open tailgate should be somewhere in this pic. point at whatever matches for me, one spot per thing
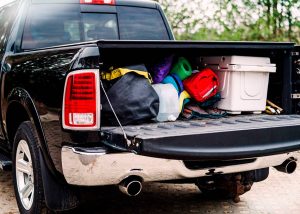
(229, 138)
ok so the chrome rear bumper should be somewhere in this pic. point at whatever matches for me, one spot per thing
(95, 167)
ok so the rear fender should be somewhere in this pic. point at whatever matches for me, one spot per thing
(21, 97)
(58, 195)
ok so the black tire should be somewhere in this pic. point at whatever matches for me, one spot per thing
(26, 134)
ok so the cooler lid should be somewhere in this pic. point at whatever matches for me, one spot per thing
(225, 61)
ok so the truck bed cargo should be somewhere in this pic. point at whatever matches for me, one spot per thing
(123, 53)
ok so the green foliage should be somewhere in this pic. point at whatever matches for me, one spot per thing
(248, 20)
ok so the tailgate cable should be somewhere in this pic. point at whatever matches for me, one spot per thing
(128, 142)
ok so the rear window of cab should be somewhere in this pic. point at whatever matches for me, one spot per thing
(57, 24)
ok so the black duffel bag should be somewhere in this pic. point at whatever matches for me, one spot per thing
(133, 99)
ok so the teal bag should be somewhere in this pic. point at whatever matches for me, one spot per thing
(211, 102)
(193, 111)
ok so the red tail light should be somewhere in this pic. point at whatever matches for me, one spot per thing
(111, 2)
(81, 104)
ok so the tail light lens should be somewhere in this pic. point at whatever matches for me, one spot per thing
(111, 2)
(81, 104)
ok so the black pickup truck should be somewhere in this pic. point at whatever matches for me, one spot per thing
(44, 44)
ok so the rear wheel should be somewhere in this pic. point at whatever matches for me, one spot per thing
(27, 176)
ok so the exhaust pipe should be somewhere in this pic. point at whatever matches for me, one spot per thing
(288, 166)
(131, 186)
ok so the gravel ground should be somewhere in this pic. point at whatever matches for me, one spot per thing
(280, 193)
(7, 195)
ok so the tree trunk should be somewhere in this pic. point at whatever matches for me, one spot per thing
(290, 21)
(275, 17)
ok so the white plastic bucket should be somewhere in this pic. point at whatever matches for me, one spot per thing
(168, 102)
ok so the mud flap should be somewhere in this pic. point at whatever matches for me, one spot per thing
(58, 196)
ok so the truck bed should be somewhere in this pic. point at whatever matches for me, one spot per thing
(233, 137)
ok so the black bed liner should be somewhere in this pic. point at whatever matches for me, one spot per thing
(233, 137)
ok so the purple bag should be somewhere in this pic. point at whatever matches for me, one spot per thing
(161, 70)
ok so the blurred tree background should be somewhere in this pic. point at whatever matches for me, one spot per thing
(248, 20)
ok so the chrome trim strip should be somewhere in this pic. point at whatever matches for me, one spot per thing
(87, 153)
(99, 169)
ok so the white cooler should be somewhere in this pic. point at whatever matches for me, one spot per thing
(243, 82)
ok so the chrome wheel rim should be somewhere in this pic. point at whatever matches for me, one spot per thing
(24, 174)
